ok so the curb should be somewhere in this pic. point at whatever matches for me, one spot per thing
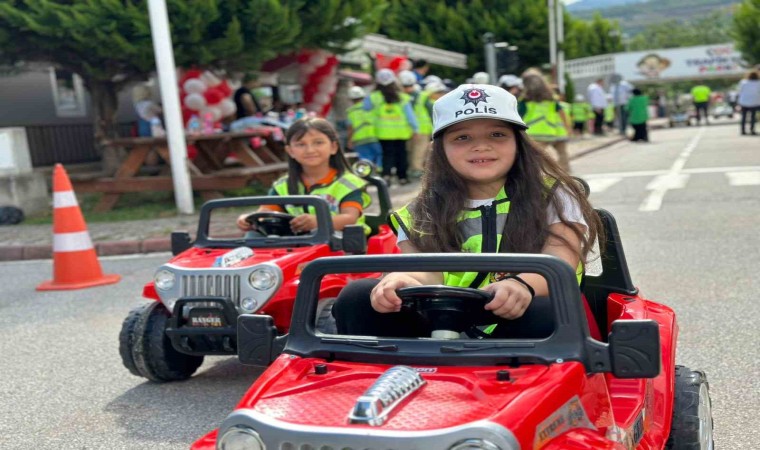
(105, 248)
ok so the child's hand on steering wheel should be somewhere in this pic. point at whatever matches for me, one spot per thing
(303, 223)
(384, 298)
(511, 298)
(243, 224)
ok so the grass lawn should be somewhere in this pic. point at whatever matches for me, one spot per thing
(140, 205)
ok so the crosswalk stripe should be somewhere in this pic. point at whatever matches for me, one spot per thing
(599, 185)
(743, 178)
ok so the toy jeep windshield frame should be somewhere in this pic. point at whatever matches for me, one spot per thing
(633, 349)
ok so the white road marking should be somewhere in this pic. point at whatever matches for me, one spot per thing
(747, 178)
(654, 173)
(598, 185)
(673, 179)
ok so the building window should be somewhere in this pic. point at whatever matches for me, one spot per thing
(68, 93)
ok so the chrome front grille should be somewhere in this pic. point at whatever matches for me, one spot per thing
(218, 285)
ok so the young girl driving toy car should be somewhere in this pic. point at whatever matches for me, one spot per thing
(317, 166)
(487, 188)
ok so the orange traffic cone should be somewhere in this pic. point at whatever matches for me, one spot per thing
(75, 263)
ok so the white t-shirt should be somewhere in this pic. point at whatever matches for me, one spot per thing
(570, 207)
(596, 96)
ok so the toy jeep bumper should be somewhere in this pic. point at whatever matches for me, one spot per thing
(204, 326)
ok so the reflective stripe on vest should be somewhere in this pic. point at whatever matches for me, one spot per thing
(333, 193)
(362, 124)
(543, 120)
(422, 113)
(390, 121)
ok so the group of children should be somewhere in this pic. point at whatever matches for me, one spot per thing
(488, 187)
(637, 112)
(391, 127)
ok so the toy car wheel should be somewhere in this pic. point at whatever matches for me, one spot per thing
(127, 339)
(325, 319)
(692, 426)
(153, 355)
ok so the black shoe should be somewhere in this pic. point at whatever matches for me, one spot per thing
(753, 133)
(403, 181)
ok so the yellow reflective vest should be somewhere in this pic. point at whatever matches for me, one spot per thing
(422, 113)
(333, 193)
(390, 120)
(363, 125)
(480, 230)
(543, 121)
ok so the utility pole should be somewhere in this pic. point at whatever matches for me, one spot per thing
(553, 39)
(167, 80)
(490, 55)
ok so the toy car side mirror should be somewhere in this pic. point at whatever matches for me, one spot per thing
(180, 241)
(354, 240)
(635, 348)
(257, 340)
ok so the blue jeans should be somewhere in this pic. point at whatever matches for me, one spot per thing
(372, 152)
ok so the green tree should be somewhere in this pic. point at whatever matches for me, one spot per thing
(108, 42)
(712, 29)
(746, 30)
(589, 38)
(459, 26)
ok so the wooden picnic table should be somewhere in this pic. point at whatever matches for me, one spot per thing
(208, 173)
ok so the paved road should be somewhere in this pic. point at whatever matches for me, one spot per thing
(686, 205)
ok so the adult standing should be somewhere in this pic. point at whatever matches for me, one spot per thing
(245, 101)
(621, 93)
(749, 100)
(700, 95)
(543, 114)
(598, 99)
(394, 123)
(638, 108)
(420, 69)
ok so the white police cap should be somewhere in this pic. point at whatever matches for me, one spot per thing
(475, 101)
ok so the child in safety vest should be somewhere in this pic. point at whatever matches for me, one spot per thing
(581, 112)
(544, 117)
(361, 129)
(609, 113)
(487, 188)
(423, 109)
(317, 166)
(395, 123)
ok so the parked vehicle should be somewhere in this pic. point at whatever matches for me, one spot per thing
(567, 390)
(197, 296)
(723, 110)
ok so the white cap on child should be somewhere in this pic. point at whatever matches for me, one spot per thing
(407, 78)
(355, 93)
(384, 77)
(475, 101)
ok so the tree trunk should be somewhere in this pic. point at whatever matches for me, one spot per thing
(105, 102)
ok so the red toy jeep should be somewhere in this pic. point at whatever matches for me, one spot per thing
(564, 391)
(198, 295)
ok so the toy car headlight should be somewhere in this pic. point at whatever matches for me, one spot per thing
(164, 279)
(475, 444)
(263, 279)
(240, 438)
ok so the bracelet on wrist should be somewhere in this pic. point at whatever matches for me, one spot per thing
(524, 283)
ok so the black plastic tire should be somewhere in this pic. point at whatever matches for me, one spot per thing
(11, 215)
(127, 339)
(692, 427)
(325, 320)
(152, 352)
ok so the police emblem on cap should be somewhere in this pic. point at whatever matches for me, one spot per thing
(474, 96)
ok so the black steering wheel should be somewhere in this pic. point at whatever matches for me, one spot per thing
(271, 223)
(448, 308)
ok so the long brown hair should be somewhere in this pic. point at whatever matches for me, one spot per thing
(536, 89)
(296, 131)
(390, 92)
(443, 196)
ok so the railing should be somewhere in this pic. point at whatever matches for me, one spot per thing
(66, 144)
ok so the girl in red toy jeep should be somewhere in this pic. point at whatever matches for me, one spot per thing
(317, 166)
(487, 188)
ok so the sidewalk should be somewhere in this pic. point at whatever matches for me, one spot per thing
(19, 242)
